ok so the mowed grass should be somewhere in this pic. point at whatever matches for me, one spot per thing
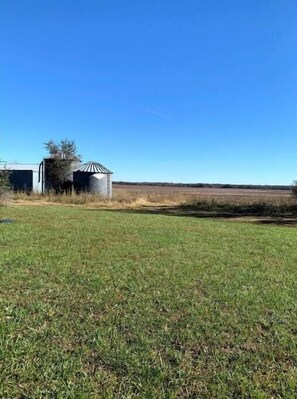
(109, 304)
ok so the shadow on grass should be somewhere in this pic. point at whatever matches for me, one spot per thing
(279, 222)
(260, 213)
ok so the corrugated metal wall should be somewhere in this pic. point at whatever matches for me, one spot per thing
(81, 181)
(21, 180)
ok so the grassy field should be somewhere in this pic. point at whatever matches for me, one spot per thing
(125, 304)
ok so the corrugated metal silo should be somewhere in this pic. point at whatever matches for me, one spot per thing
(93, 177)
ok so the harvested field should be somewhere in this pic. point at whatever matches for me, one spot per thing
(201, 191)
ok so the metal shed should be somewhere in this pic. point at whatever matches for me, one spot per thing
(93, 177)
(23, 177)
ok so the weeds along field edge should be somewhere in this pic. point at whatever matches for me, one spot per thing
(239, 202)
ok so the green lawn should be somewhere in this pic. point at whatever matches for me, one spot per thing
(109, 304)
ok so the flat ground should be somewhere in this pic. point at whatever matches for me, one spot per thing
(119, 304)
(201, 191)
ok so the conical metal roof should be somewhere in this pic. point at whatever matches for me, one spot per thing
(93, 167)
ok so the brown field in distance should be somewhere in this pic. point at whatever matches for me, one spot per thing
(200, 191)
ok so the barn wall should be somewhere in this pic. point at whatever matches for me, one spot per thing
(36, 186)
(21, 180)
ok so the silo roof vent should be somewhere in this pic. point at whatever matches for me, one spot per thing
(93, 167)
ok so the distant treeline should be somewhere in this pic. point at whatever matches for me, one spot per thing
(207, 185)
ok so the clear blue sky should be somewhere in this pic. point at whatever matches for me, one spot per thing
(156, 90)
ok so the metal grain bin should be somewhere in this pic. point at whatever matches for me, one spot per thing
(93, 177)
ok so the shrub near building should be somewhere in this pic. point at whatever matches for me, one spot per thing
(5, 194)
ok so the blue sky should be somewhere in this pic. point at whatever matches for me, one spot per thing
(180, 91)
